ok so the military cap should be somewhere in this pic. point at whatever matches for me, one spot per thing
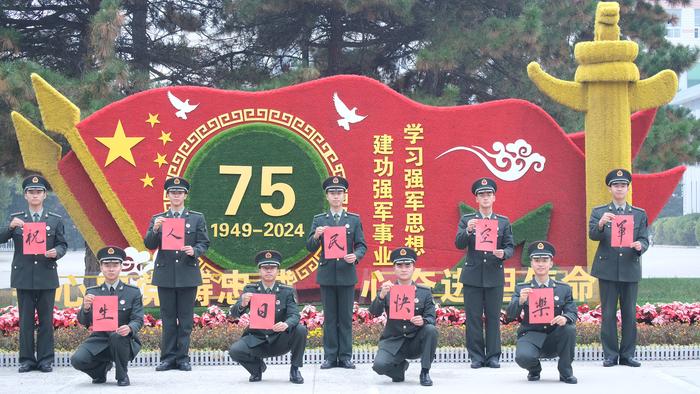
(177, 184)
(268, 257)
(541, 249)
(111, 254)
(35, 182)
(483, 185)
(618, 175)
(403, 255)
(335, 184)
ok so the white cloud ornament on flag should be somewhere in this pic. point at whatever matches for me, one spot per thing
(510, 162)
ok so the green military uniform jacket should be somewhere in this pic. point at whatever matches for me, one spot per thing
(618, 264)
(484, 269)
(172, 267)
(336, 272)
(396, 331)
(563, 305)
(35, 271)
(130, 313)
(286, 310)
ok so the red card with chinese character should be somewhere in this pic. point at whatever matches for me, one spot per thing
(262, 311)
(34, 238)
(105, 315)
(622, 231)
(541, 306)
(173, 234)
(402, 302)
(335, 242)
(486, 234)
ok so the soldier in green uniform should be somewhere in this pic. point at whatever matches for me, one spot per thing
(286, 335)
(558, 337)
(618, 270)
(96, 354)
(35, 276)
(337, 277)
(177, 276)
(482, 277)
(406, 339)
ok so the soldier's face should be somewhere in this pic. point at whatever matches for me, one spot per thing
(35, 197)
(485, 199)
(541, 265)
(111, 271)
(335, 198)
(268, 273)
(619, 190)
(404, 271)
(177, 197)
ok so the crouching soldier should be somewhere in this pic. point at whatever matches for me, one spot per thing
(287, 334)
(555, 338)
(406, 339)
(100, 349)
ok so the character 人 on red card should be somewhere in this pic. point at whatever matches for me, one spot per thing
(34, 238)
(262, 311)
(105, 316)
(622, 232)
(335, 242)
(173, 234)
(541, 306)
(486, 234)
(402, 302)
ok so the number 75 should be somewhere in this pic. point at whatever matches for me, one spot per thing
(267, 188)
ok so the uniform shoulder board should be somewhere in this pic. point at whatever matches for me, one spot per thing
(251, 286)
(601, 206)
(469, 214)
(353, 214)
(424, 287)
(130, 285)
(20, 213)
(502, 217)
(639, 209)
(561, 283)
(56, 215)
(284, 286)
(159, 214)
(523, 284)
(197, 213)
(320, 214)
(93, 287)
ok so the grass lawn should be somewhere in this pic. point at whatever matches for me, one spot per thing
(655, 290)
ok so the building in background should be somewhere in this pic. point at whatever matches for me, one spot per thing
(684, 29)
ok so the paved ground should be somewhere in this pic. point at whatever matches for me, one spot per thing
(652, 377)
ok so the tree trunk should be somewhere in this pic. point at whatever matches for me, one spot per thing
(139, 50)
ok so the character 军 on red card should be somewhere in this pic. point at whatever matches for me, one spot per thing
(622, 231)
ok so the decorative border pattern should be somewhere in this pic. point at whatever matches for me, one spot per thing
(262, 115)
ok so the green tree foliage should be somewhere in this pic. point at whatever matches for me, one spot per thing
(673, 139)
(680, 230)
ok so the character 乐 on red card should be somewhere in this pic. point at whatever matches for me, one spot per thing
(541, 306)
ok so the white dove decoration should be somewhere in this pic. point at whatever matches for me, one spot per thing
(347, 115)
(182, 107)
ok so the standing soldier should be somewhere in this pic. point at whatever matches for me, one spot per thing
(554, 339)
(337, 277)
(35, 276)
(618, 269)
(177, 276)
(406, 339)
(482, 276)
(96, 354)
(287, 333)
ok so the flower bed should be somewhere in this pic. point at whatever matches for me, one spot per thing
(663, 324)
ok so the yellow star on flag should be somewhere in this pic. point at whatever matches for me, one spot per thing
(165, 137)
(160, 160)
(119, 145)
(152, 119)
(147, 180)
